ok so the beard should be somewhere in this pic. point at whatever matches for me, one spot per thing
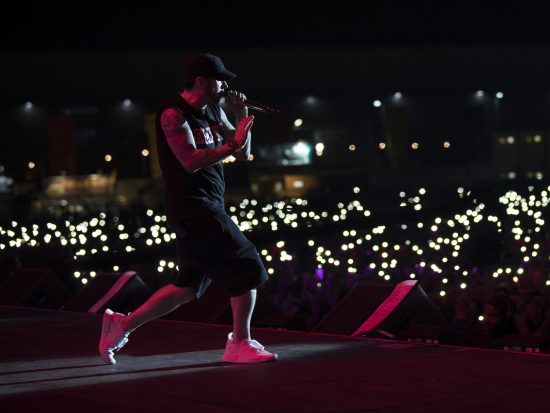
(212, 94)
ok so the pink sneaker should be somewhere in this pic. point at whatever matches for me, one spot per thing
(246, 351)
(113, 337)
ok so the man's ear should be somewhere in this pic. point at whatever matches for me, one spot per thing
(201, 81)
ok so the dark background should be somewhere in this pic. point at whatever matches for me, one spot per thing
(150, 25)
(87, 58)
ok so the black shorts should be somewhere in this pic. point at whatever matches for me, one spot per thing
(211, 247)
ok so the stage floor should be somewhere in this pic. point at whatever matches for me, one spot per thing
(49, 363)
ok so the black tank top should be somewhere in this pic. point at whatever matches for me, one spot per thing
(186, 194)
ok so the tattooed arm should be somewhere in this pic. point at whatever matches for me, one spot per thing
(181, 141)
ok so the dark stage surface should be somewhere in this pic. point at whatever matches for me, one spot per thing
(49, 363)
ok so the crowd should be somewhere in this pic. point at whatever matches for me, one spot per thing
(481, 256)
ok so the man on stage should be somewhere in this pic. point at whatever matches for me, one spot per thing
(193, 137)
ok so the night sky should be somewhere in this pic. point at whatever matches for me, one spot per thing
(75, 57)
(127, 25)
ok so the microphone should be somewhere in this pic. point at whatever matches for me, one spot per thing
(260, 107)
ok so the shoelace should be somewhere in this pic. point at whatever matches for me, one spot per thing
(253, 343)
(122, 341)
(256, 345)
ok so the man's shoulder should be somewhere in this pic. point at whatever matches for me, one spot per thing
(170, 103)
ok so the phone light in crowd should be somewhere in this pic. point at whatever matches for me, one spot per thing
(108, 158)
(319, 148)
(126, 103)
(298, 122)
(382, 146)
(376, 103)
(443, 235)
(480, 93)
(446, 144)
(31, 165)
(499, 95)
(145, 152)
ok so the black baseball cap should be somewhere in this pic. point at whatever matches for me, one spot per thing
(207, 65)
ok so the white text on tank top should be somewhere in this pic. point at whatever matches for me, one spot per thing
(208, 135)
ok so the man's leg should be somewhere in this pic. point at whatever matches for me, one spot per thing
(242, 307)
(162, 302)
(116, 327)
(240, 347)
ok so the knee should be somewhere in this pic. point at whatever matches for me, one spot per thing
(183, 295)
